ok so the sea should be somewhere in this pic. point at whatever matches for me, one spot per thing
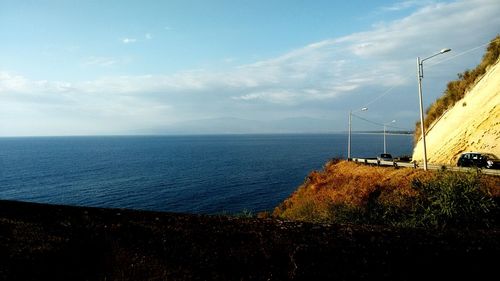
(209, 174)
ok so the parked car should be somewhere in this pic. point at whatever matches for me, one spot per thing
(384, 157)
(478, 159)
(403, 158)
(492, 162)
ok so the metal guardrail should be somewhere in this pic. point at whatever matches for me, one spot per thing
(398, 164)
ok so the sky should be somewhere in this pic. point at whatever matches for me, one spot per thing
(128, 67)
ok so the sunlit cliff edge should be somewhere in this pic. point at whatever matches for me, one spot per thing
(471, 124)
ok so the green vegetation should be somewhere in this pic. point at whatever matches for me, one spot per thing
(456, 90)
(351, 193)
(452, 199)
(245, 213)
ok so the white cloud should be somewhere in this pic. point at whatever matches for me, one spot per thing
(99, 61)
(335, 73)
(406, 5)
(382, 56)
(18, 84)
(279, 97)
(11, 82)
(429, 29)
(148, 36)
(349, 62)
(229, 60)
(129, 40)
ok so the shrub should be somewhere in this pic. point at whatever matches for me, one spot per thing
(245, 213)
(347, 192)
(452, 199)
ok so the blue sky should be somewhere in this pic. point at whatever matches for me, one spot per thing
(118, 67)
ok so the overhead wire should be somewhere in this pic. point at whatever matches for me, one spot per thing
(380, 124)
(388, 91)
(461, 54)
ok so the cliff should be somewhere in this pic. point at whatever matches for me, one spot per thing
(471, 124)
(349, 192)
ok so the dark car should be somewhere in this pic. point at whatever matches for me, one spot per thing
(492, 162)
(384, 157)
(478, 159)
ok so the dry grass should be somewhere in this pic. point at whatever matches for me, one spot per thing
(353, 186)
(350, 184)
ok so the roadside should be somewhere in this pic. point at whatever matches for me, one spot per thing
(406, 164)
(349, 192)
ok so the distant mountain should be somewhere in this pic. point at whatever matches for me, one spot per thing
(244, 126)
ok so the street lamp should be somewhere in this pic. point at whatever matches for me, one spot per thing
(385, 146)
(420, 75)
(349, 135)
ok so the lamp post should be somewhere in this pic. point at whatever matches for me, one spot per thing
(349, 135)
(385, 146)
(420, 75)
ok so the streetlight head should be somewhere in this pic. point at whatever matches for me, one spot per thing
(393, 121)
(364, 109)
(445, 50)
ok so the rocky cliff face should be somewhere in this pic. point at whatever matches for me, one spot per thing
(472, 124)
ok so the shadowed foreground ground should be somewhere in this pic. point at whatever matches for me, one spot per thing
(46, 242)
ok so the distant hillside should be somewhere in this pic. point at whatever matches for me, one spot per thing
(231, 125)
(467, 116)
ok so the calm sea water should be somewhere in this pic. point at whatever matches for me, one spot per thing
(195, 174)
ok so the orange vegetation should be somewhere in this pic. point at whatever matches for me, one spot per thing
(355, 186)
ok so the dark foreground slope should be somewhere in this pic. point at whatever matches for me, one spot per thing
(44, 242)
